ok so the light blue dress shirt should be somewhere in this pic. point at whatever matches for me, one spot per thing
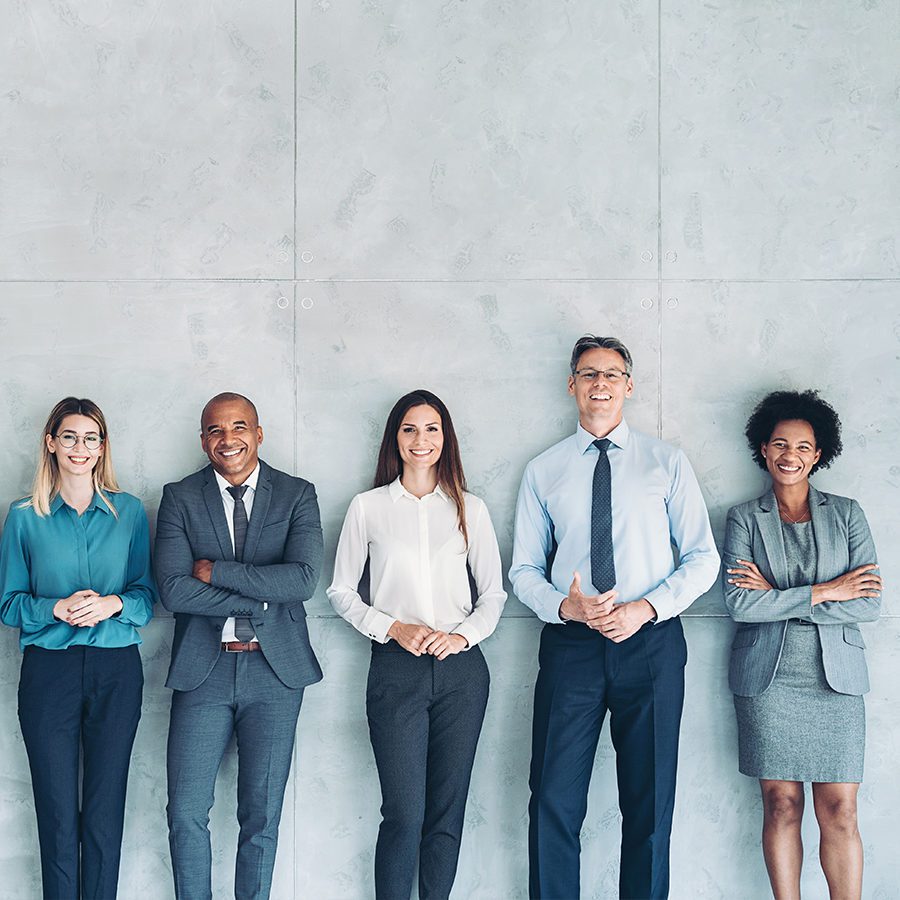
(43, 559)
(656, 504)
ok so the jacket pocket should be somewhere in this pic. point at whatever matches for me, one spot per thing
(746, 636)
(282, 524)
(853, 636)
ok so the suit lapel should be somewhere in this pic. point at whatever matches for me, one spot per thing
(259, 513)
(824, 530)
(213, 500)
(769, 523)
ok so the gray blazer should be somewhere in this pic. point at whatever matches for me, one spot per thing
(843, 542)
(282, 562)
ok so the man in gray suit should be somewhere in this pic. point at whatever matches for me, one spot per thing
(238, 550)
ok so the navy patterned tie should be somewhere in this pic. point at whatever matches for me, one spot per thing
(243, 630)
(603, 565)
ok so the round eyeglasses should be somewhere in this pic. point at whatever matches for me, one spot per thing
(68, 440)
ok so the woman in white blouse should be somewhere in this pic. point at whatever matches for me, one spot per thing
(428, 681)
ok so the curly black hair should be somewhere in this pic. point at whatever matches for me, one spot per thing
(779, 406)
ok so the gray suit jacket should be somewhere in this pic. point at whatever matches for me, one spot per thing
(843, 542)
(281, 566)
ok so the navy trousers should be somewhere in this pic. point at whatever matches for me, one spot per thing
(244, 697)
(425, 718)
(641, 682)
(84, 701)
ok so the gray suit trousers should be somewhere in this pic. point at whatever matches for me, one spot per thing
(244, 697)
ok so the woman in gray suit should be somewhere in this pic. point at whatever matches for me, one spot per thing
(800, 575)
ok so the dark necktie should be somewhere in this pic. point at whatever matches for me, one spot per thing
(243, 630)
(603, 565)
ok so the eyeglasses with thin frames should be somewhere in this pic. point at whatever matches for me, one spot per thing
(68, 439)
(613, 376)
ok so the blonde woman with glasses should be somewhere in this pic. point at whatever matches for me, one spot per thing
(75, 580)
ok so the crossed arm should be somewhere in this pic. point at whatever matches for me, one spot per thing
(228, 588)
(854, 596)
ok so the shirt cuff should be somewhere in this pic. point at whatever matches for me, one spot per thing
(551, 613)
(662, 600)
(469, 632)
(376, 625)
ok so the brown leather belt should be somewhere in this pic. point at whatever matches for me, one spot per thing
(240, 646)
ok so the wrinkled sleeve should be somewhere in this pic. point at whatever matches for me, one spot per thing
(349, 562)
(532, 544)
(484, 561)
(698, 559)
(20, 608)
(139, 593)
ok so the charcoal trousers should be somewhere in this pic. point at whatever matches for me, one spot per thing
(425, 718)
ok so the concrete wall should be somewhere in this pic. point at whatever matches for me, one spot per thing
(325, 205)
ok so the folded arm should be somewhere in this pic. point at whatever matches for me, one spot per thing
(866, 605)
(296, 576)
(769, 604)
(179, 591)
(751, 604)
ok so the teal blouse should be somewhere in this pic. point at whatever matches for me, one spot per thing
(45, 559)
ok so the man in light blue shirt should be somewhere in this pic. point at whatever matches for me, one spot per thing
(596, 521)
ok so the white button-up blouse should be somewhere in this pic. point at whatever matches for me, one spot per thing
(417, 564)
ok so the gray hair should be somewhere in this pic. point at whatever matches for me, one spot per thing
(592, 341)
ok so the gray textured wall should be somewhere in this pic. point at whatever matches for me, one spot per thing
(446, 195)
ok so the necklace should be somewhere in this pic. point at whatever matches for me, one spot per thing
(803, 517)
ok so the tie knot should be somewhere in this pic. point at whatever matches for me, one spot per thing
(237, 491)
(602, 444)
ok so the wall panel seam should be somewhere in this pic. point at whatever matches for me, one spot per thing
(295, 371)
(488, 279)
(659, 213)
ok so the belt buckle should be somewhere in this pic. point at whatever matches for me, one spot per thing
(233, 649)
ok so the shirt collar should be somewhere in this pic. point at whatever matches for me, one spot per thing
(250, 481)
(618, 436)
(396, 491)
(97, 502)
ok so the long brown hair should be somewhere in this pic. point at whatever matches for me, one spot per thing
(450, 473)
(46, 476)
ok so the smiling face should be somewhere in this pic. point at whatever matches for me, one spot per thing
(420, 438)
(600, 400)
(78, 460)
(791, 452)
(230, 436)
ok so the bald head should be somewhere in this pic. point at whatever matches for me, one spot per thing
(228, 397)
(230, 436)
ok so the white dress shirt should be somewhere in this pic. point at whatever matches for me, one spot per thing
(656, 504)
(228, 502)
(417, 564)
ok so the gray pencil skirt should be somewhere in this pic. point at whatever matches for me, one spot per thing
(800, 729)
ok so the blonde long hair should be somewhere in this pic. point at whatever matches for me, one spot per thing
(46, 477)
